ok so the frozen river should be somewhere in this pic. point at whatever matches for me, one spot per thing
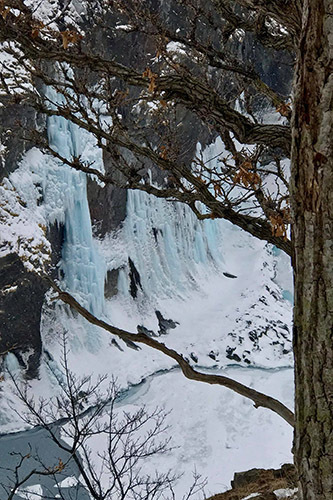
(213, 430)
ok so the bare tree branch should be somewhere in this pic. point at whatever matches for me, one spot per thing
(259, 399)
(131, 437)
(189, 91)
(286, 12)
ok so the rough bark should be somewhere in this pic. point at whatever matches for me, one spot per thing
(312, 198)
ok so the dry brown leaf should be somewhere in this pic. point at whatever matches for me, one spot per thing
(152, 85)
(65, 39)
(69, 37)
(36, 28)
(152, 77)
(200, 179)
(147, 73)
(278, 226)
(35, 33)
(60, 466)
(164, 152)
(246, 164)
(4, 12)
(217, 189)
(246, 177)
(284, 109)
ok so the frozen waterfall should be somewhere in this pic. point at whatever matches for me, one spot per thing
(82, 265)
(167, 244)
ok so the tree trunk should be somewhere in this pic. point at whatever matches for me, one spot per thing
(312, 205)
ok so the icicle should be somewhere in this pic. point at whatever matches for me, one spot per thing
(167, 244)
(83, 267)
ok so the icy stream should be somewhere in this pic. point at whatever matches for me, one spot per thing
(214, 430)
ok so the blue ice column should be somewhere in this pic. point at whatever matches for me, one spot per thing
(82, 265)
(165, 240)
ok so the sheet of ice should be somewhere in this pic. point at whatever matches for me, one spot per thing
(213, 430)
(219, 432)
(81, 263)
(166, 243)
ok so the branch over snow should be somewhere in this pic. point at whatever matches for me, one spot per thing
(256, 226)
(259, 399)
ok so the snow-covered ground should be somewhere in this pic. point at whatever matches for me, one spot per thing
(214, 430)
(229, 294)
(217, 432)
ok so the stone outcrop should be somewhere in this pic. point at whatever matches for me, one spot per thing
(287, 472)
(15, 121)
(21, 299)
(262, 484)
(21, 292)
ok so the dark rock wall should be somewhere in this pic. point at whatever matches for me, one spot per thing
(108, 204)
(15, 119)
(21, 299)
(275, 68)
(22, 292)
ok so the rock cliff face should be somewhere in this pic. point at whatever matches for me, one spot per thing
(22, 296)
(275, 71)
(13, 115)
(22, 292)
